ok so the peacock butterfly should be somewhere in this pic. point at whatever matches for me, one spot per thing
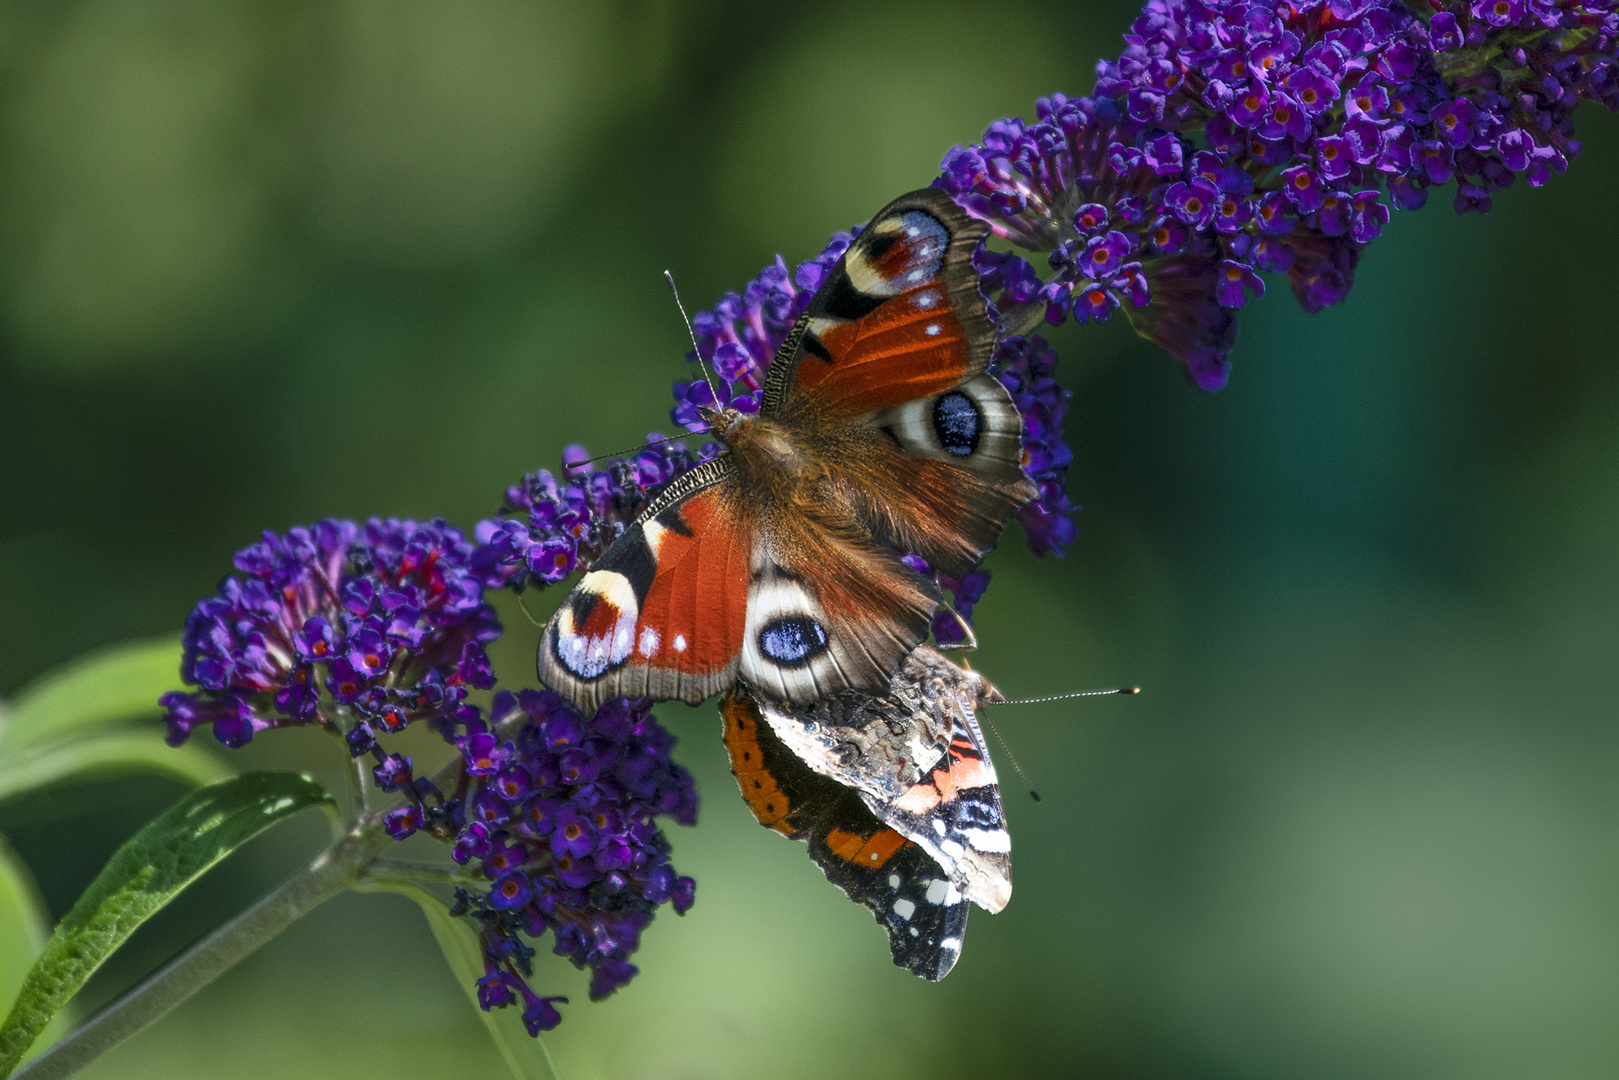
(778, 562)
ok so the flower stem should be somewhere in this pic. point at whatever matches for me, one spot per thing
(333, 870)
(390, 871)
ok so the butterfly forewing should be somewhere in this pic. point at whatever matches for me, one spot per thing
(898, 318)
(893, 349)
(661, 614)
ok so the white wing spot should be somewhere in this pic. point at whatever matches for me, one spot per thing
(893, 881)
(649, 641)
(680, 643)
(951, 944)
(933, 329)
(913, 231)
(926, 300)
(937, 890)
(904, 909)
(995, 840)
(916, 275)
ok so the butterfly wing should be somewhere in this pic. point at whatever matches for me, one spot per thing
(900, 882)
(899, 317)
(710, 582)
(827, 607)
(662, 612)
(917, 760)
(889, 361)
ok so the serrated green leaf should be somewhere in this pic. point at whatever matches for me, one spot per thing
(25, 926)
(525, 1055)
(33, 768)
(108, 686)
(152, 867)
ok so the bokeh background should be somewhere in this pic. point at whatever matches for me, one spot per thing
(262, 262)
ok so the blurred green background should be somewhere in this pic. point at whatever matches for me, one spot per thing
(262, 262)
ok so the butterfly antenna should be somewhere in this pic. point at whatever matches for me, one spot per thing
(670, 278)
(1007, 750)
(972, 639)
(621, 453)
(524, 605)
(1065, 697)
(1035, 795)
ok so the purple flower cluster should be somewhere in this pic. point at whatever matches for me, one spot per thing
(365, 630)
(362, 630)
(559, 813)
(1236, 137)
(550, 527)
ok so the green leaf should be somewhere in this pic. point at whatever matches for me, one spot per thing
(152, 867)
(25, 926)
(525, 1055)
(34, 767)
(111, 685)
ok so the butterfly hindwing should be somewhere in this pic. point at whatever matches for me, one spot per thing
(663, 611)
(827, 609)
(924, 915)
(958, 457)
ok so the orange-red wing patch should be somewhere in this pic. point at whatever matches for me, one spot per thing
(913, 346)
(872, 851)
(760, 791)
(694, 612)
(899, 317)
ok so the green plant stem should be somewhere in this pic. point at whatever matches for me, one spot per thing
(334, 870)
(391, 871)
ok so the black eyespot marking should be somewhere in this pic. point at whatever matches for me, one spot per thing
(582, 605)
(793, 640)
(671, 519)
(879, 244)
(839, 299)
(631, 557)
(958, 422)
(813, 347)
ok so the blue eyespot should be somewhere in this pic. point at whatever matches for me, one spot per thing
(792, 640)
(957, 422)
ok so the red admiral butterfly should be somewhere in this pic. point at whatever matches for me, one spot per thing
(895, 795)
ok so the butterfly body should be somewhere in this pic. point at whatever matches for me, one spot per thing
(895, 795)
(878, 432)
